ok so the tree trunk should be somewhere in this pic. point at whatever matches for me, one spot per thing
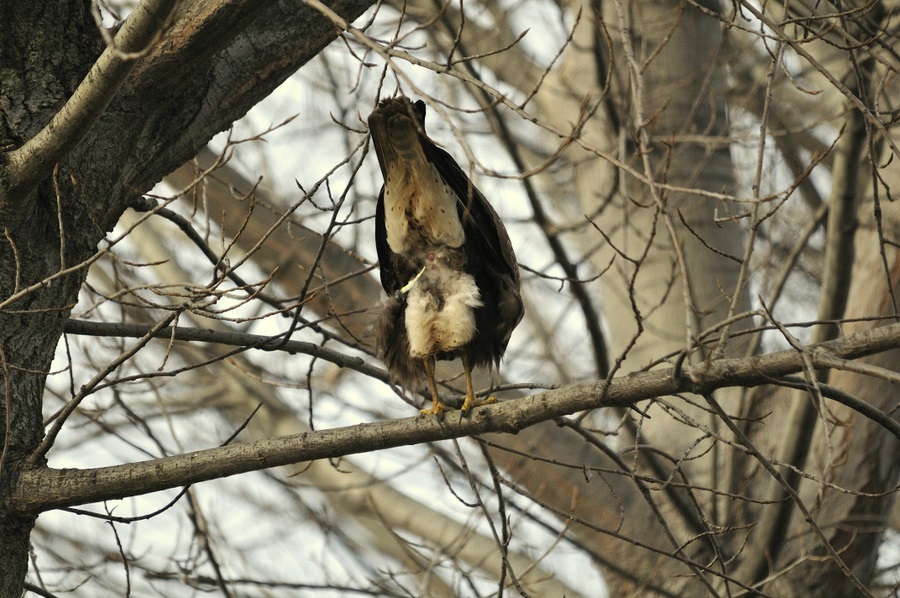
(848, 450)
(675, 107)
(214, 61)
(44, 52)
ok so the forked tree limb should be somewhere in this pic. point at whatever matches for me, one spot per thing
(35, 160)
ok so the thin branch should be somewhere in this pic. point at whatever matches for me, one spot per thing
(795, 498)
(567, 137)
(798, 47)
(787, 268)
(237, 339)
(835, 394)
(38, 590)
(218, 262)
(85, 391)
(644, 489)
(570, 268)
(637, 85)
(750, 240)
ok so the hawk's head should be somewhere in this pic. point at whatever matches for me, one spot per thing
(398, 129)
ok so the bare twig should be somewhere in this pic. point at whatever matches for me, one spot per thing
(239, 339)
(795, 498)
(85, 390)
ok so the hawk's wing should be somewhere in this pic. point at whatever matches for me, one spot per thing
(389, 280)
(488, 248)
(395, 270)
(481, 223)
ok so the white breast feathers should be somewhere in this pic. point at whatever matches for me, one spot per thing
(439, 310)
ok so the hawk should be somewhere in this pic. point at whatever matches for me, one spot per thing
(447, 264)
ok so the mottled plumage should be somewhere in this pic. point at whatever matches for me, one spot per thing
(446, 261)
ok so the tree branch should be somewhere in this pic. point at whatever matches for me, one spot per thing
(42, 489)
(34, 161)
(837, 395)
(795, 498)
(237, 339)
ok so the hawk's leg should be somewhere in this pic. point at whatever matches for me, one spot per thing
(471, 401)
(437, 407)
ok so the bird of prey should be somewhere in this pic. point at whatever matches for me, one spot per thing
(446, 261)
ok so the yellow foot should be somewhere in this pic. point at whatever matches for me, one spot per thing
(437, 408)
(472, 402)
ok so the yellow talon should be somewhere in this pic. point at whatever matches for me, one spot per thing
(437, 407)
(471, 401)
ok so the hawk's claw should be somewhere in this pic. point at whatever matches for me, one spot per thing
(437, 408)
(471, 402)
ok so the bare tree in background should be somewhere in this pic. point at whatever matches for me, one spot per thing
(700, 401)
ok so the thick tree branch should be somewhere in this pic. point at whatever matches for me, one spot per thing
(43, 489)
(34, 161)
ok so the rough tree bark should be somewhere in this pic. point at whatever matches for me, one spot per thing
(213, 62)
(45, 53)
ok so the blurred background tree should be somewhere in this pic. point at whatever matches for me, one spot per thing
(187, 262)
